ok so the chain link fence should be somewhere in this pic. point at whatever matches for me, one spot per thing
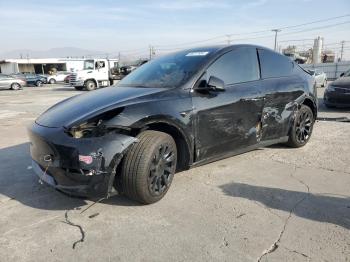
(332, 70)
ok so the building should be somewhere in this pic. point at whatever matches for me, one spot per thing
(40, 65)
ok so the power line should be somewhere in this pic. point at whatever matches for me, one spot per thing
(316, 28)
(315, 22)
(255, 32)
(229, 40)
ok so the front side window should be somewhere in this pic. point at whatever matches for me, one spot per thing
(236, 66)
(274, 65)
(88, 64)
(100, 64)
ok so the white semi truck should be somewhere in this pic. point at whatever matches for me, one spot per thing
(96, 73)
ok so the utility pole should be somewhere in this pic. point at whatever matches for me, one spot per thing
(276, 31)
(150, 52)
(228, 39)
(342, 50)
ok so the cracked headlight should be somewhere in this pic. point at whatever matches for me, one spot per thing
(88, 129)
(94, 127)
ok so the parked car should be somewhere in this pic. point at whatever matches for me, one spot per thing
(347, 73)
(10, 82)
(58, 77)
(337, 94)
(178, 111)
(320, 77)
(32, 79)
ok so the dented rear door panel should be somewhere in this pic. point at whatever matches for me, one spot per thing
(280, 105)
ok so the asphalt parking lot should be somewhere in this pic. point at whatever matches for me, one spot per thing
(272, 204)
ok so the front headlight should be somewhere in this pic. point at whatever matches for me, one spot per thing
(95, 126)
(88, 129)
(330, 88)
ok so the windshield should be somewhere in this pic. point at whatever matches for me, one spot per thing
(168, 71)
(88, 64)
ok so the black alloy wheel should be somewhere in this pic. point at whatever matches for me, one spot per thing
(161, 170)
(148, 168)
(302, 127)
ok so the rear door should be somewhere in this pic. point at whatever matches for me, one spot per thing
(281, 86)
(226, 121)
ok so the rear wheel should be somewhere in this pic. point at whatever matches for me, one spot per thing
(149, 166)
(302, 127)
(52, 81)
(15, 86)
(38, 83)
(90, 85)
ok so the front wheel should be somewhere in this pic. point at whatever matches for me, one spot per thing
(149, 166)
(38, 83)
(52, 81)
(15, 86)
(90, 85)
(302, 127)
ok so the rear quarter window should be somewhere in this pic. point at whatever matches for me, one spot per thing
(274, 65)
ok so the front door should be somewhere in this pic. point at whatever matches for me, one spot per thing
(229, 120)
(101, 70)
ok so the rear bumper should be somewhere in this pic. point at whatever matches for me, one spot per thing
(58, 160)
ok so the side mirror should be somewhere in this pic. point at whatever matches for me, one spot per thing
(342, 74)
(216, 84)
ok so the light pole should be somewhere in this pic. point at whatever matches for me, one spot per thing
(342, 50)
(276, 31)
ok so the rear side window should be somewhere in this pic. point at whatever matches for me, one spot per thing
(236, 66)
(274, 65)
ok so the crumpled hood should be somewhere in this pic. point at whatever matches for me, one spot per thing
(342, 82)
(80, 107)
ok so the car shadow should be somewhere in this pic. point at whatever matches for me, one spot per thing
(19, 183)
(325, 208)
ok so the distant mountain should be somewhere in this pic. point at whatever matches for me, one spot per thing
(51, 53)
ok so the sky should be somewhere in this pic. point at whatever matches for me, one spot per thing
(131, 26)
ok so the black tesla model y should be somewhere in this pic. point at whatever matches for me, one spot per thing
(175, 112)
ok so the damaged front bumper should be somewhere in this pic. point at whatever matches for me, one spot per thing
(81, 167)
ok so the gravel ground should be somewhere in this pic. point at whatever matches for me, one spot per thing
(272, 204)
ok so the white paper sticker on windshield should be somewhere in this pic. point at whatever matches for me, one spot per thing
(198, 53)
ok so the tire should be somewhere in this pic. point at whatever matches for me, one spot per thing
(39, 83)
(79, 88)
(149, 166)
(52, 81)
(302, 127)
(90, 85)
(15, 86)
